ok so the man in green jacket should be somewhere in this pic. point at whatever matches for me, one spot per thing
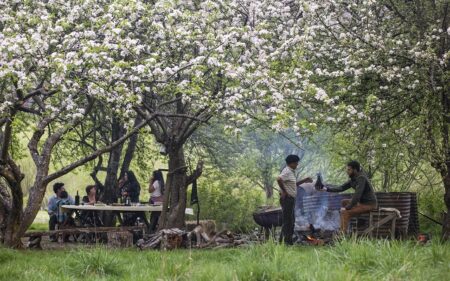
(363, 200)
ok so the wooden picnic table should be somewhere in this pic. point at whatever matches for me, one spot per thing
(118, 209)
(139, 208)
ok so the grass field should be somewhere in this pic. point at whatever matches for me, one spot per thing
(347, 260)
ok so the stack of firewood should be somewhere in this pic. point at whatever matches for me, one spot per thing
(199, 237)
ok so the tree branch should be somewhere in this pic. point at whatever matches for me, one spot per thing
(195, 174)
(98, 152)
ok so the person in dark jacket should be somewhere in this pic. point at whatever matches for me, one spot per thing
(129, 186)
(363, 200)
(90, 218)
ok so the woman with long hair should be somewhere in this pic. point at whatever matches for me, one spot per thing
(130, 187)
(156, 189)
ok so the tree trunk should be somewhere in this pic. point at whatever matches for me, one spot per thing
(19, 219)
(13, 217)
(446, 222)
(175, 191)
(11, 235)
(109, 194)
(12, 203)
(37, 193)
(268, 183)
(132, 143)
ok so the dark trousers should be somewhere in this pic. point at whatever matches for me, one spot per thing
(154, 218)
(287, 230)
(52, 225)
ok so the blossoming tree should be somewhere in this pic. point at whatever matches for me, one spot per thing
(183, 61)
(57, 61)
(384, 70)
(211, 58)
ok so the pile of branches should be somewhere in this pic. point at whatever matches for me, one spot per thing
(168, 239)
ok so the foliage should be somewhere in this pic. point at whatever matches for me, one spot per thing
(430, 204)
(94, 263)
(6, 255)
(229, 201)
(347, 260)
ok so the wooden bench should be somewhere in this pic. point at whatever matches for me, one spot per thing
(387, 215)
(36, 236)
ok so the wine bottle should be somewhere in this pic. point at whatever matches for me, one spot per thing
(77, 199)
(319, 184)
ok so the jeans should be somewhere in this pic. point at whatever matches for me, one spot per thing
(287, 229)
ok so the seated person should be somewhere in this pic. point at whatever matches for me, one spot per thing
(129, 187)
(52, 207)
(363, 200)
(90, 218)
(64, 218)
(91, 195)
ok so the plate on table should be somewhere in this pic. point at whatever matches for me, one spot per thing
(99, 204)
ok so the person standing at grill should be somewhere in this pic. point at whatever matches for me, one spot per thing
(363, 200)
(287, 181)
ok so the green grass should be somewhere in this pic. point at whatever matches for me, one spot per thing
(347, 260)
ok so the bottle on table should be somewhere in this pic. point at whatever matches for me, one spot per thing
(77, 199)
(127, 201)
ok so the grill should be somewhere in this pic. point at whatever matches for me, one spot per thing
(268, 217)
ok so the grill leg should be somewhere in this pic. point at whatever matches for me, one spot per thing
(266, 233)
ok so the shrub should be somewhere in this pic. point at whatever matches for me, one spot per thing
(229, 201)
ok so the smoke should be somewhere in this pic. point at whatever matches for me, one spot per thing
(317, 208)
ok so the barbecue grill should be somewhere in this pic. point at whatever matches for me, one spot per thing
(268, 217)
